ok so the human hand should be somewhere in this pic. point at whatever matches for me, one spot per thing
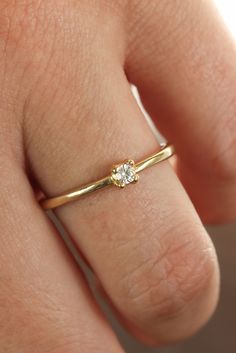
(67, 114)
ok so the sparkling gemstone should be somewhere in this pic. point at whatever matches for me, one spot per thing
(124, 174)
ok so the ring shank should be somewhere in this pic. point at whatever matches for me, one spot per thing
(166, 152)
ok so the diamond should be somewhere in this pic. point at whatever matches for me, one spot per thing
(124, 174)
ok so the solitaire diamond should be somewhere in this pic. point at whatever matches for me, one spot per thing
(124, 174)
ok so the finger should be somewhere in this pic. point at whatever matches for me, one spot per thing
(146, 243)
(44, 301)
(183, 62)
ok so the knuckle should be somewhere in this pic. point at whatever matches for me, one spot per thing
(39, 23)
(17, 21)
(164, 286)
(37, 32)
(114, 6)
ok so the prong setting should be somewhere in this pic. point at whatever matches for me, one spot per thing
(130, 162)
(124, 174)
(136, 178)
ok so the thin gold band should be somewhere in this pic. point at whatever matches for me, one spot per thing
(120, 176)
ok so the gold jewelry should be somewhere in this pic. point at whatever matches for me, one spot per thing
(121, 175)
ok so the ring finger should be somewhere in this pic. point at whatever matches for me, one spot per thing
(146, 243)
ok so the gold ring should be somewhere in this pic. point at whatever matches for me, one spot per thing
(120, 176)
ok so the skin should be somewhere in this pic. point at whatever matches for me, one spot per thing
(67, 115)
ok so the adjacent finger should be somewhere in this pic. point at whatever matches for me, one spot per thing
(45, 305)
(183, 61)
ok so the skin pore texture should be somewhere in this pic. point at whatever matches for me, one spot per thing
(67, 115)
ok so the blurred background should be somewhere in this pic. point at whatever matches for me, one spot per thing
(219, 334)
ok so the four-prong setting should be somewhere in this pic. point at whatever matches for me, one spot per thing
(124, 174)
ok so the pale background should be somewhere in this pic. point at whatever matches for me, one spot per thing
(219, 335)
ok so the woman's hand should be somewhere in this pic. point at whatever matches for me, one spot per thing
(66, 115)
